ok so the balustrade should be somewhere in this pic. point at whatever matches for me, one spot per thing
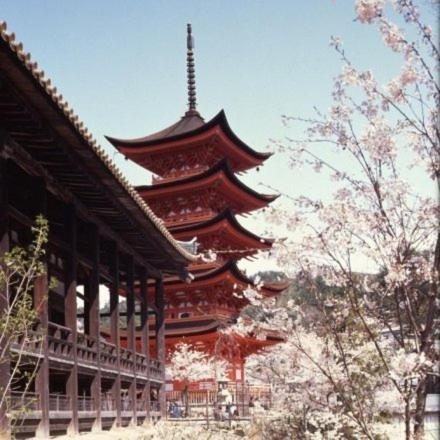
(59, 402)
(108, 354)
(107, 403)
(126, 359)
(24, 401)
(59, 340)
(141, 405)
(85, 403)
(154, 406)
(141, 364)
(156, 369)
(86, 348)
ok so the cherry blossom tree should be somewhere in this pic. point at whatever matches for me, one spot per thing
(374, 242)
(187, 364)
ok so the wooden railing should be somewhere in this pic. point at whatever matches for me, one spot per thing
(126, 359)
(108, 354)
(59, 340)
(85, 403)
(60, 345)
(156, 370)
(24, 402)
(86, 348)
(59, 402)
(108, 403)
(141, 364)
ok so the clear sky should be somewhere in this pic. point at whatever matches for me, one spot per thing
(121, 65)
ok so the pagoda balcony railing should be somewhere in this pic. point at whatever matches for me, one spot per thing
(189, 217)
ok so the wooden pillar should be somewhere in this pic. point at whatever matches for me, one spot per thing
(114, 329)
(160, 340)
(145, 339)
(131, 331)
(41, 293)
(70, 317)
(93, 324)
(4, 300)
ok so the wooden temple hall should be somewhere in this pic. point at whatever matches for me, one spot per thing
(106, 249)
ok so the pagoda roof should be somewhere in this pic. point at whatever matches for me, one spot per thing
(189, 127)
(224, 220)
(229, 271)
(202, 179)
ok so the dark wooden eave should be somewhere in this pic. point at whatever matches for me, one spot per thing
(33, 120)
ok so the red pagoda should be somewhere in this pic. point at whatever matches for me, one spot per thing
(196, 192)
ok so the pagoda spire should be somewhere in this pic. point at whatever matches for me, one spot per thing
(190, 69)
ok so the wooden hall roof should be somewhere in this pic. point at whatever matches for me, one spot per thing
(37, 117)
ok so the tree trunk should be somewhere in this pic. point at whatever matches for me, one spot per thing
(186, 401)
(407, 419)
(419, 417)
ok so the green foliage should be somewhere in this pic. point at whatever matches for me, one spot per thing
(19, 268)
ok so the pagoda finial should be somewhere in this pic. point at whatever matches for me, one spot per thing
(190, 69)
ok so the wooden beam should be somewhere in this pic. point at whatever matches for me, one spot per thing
(160, 340)
(143, 292)
(93, 324)
(71, 318)
(131, 332)
(4, 300)
(114, 329)
(16, 152)
(42, 385)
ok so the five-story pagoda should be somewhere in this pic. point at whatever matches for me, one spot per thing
(197, 194)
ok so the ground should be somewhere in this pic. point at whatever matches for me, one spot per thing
(169, 431)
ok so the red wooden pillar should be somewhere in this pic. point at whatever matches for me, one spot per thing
(41, 294)
(70, 311)
(114, 330)
(93, 325)
(145, 335)
(131, 332)
(4, 350)
(160, 340)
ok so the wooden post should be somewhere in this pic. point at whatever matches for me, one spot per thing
(207, 410)
(114, 329)
(160, 340)
(4, 247)
(145, 335)
(94, 323)
(41, 294)
(131, 332)
(70, 314)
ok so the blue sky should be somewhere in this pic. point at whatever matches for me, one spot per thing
(121, 65)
